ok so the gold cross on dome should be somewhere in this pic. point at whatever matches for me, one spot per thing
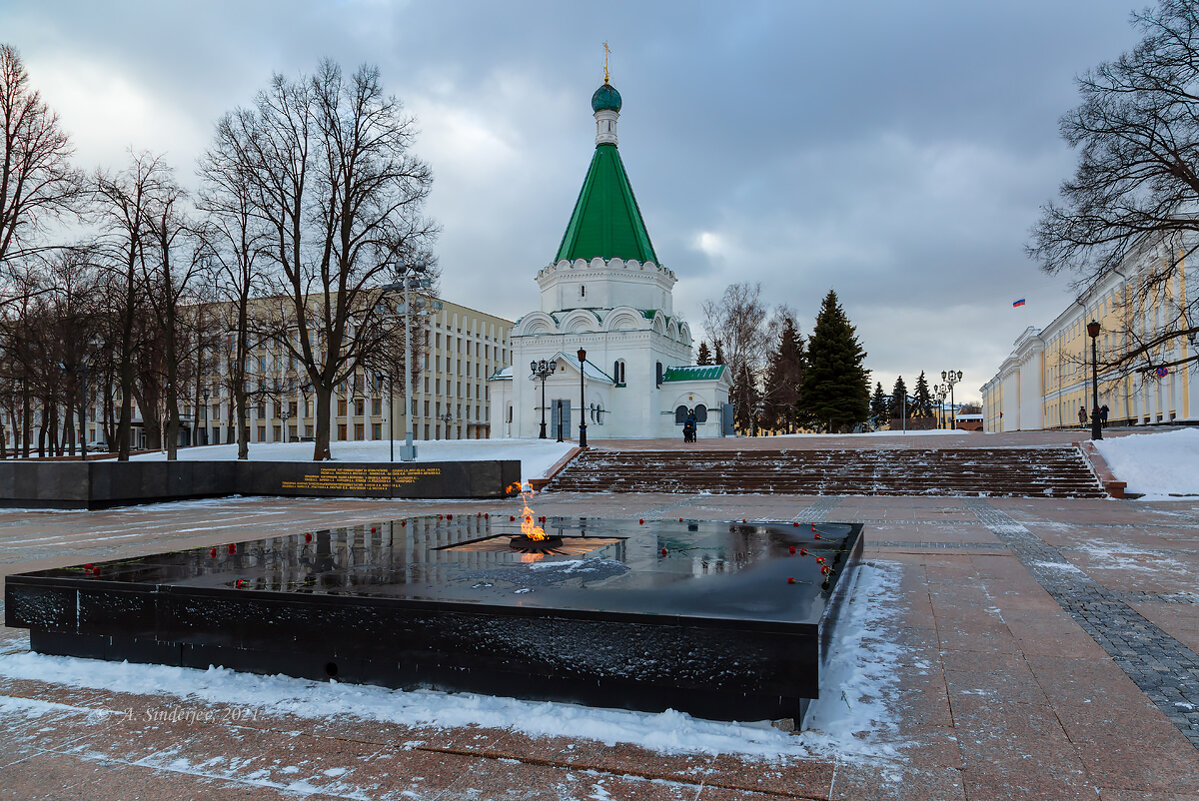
(607, 51)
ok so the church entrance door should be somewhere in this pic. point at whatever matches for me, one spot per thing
(560, 417)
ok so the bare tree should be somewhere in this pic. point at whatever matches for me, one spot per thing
(738, 325)
(235, 242)
(340, 196)
(1132, 204)
(167, 268)
(37, 182)
(127, 203)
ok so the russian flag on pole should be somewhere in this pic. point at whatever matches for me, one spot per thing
(1018, 303)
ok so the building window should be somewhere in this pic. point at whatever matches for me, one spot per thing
(376, 406)
(341, 407)
(276, 433)
(618, 372)
(658, 374)
(341, 431)
(376, 431)
(359, 407)
(358, 431)
(308, 432)
(680, 415)
(701, 413)
(262, 433)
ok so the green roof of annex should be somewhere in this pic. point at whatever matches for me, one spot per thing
(693, 373)
(606, 222)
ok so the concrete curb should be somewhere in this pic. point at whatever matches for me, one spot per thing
(538, 484)
(1107, 478)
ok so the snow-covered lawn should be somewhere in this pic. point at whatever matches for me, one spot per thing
(851, 719)
(536, 455)
(1158, 465)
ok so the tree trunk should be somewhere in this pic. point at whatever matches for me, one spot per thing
(320, 451)
(26, 419)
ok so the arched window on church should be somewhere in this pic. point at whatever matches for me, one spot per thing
(582, 291)
(680, 415)
(701, 413)
(618, 372)
(658, 375)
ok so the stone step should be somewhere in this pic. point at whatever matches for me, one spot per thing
(1033, 472)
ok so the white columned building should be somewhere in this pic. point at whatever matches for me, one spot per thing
(606, 293)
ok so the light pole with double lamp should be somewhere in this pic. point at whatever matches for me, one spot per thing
(542, 369)
(582, 354)
(951, 377)
(411, 277)
(1096, 423)
(940, 391)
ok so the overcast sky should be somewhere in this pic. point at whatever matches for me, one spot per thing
(895, 152)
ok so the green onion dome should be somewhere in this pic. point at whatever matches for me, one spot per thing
(605, 98)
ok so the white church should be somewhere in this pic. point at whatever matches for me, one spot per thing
(606, 294)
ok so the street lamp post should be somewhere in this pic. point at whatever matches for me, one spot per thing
(542, 369)
(951, 377)
(582, 354)
(410, 278)
(391, 440)
(204, 394)
(285, 415)
(1096, 424)
(940, 391)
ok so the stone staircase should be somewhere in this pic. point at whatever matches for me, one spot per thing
(1057, 472)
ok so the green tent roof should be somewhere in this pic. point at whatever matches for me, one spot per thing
(606, 221)
(693, 373)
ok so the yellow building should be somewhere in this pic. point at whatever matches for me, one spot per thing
(1046, 380)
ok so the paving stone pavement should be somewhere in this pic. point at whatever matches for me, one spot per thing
(1016, 679)
(1166, 670)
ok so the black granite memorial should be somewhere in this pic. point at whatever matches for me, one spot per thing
(721, 620)
(103, 484)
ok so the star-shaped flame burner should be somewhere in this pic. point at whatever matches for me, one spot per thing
(529, 545)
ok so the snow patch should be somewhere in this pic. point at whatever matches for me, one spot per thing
(536, 456)
(1161, 465)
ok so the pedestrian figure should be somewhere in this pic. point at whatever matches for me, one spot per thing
(1082, 416)
(689, 427)
(1103, 411)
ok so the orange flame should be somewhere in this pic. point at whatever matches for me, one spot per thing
(528, 525)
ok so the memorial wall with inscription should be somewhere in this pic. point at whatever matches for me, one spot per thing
(96, 485)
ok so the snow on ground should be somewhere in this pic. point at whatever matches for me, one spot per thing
(536, 455)
(887, 433)
(1108, 555)
(1157, 465)
(851, 719)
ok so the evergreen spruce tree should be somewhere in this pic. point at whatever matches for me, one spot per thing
(836, 387)
(784, 379)
(705, 355)
(718, 357)
(901, 407)
(878, 405)
(922, 399)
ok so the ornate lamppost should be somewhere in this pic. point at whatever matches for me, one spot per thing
(951, 377)
(542, 369)
(582, 354)
(205, 393)
(1096, 424)
(940, 392)
(284, 415)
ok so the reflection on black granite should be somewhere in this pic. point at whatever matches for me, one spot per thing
(710, 569)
